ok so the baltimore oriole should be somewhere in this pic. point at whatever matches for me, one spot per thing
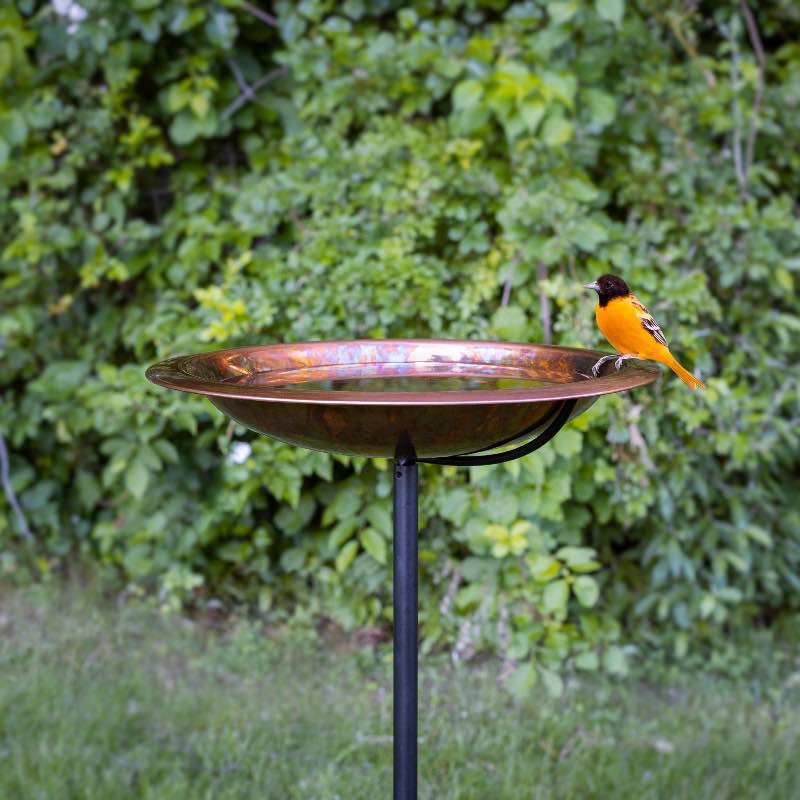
(631, 329)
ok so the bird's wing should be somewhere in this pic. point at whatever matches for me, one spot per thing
(648, 323)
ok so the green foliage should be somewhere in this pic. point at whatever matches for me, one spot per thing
(179, 176)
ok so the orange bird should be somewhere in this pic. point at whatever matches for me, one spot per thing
(631, 329)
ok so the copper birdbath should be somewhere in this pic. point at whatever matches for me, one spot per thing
(413, 400)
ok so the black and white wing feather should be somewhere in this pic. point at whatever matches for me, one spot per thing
(648, 323)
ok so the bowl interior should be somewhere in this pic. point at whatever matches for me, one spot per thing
(420, 372)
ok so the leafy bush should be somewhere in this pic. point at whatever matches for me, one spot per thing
(180, 175)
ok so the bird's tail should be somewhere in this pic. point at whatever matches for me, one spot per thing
(685, 375)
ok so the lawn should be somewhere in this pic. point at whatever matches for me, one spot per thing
(102, 700)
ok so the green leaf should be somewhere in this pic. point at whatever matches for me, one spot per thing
(586, 590)
(544, 568)
(522, 680)
(380, 518)
(199, 104)
(346, 555)
(138, 561)
(532, 112)
(13, 128)
(407, 18)
(455, 506)
(759, 535)
(587, 661)
(602, 107)
(611, 10)
(185, 128)
(576, 556)
(221, 29)
(555, 597)
(707, 606)
(557, 130)
(586, 566)
(427, 556)
(785, 279)
(292, 520)
(588, 234)
(167, 450)
(292, 560)
(346, 504)
(341, 532)
(615, 661)
(470, 596)
(580, 188)
(521, 527)
(560, 86)
(467, 94)
(60, 377)
(89, 491)
(499, 535)
(568, 442)
(562, 11)
(552, 682)
(240, 552)
(137, 477)
(510, 323)
(502, 507)
(374, 544)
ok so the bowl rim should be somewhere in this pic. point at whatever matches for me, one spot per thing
(172, 373)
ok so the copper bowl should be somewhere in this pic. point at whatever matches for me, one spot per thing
(364, 397)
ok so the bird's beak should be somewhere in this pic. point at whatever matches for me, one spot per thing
(592, 285)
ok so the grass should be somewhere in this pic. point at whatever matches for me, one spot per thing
(104, 702)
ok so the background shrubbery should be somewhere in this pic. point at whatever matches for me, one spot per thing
(178, 176)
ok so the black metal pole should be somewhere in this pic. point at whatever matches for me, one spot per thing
(406, 603)
(405, 626)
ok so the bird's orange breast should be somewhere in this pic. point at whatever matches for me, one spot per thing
(620, 323)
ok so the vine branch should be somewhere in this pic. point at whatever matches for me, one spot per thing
(544, 304)
(8, 489)
(761, 59)
(258, 13)
(248, 92)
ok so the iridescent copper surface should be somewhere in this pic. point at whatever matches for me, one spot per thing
(275, 390)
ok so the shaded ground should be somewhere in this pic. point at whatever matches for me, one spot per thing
(98, 702)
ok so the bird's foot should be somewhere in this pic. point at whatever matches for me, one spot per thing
(618, 362)
(596, 367)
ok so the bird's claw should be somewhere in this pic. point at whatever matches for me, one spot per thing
(600, 362)
(618, 362)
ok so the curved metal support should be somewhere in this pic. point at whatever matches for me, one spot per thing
(543, 438)
(546, 420)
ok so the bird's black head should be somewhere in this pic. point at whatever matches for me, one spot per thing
(608, 287)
